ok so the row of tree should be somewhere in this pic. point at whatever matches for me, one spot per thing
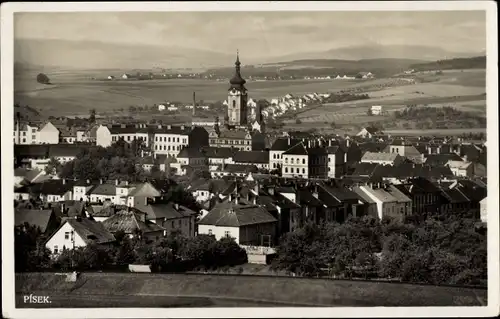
(173, 253)
(437, 251)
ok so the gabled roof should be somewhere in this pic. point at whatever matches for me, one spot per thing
(191, 152)
(165, 210)
(380, 194)
(258, 157)
(240, 168)
(441, 159)
(363, 196)
(219, 152)
(369, 156)
(396, 193)
(103, 189)
(51, 187)
(455, 195)
(227, 214)
(297, 149)
(145, 190)
(129, 222)
(234, 134)
(27, 174)
(34, 217)
(89, 230)
(458, 164)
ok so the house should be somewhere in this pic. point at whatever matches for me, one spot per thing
(161, 107)
(305, 162)
(78, 232)
(425, 196)
(461, 168)
(285, 210)
(392, 159)
(440, 159)
(239, 139)
(170, 139)
(336, 161)
(369, 205)
(45, 219)
(388, 204)
(247, 224)
(111, 77)
(279, 146)
(126, 76)
(53, 190)
(218, 155)
(368, 132)
(455, 201)
(80, 190)
(48, 134)
(376, 110)
(200, 190)
(26, 133)
(240, 170)
(406, 150)
(133, 224)
(171, 217)
(193, 157)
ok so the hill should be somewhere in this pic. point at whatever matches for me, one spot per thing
(377, 51)
(323, 67)
(99, 55)
(478, 62)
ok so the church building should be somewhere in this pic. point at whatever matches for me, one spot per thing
(237, 109)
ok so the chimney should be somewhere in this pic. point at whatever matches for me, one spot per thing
(18, 133)
(88, 181)
(159, 126)
(176, 206)
(126, 182)
(194, 103)
(289, 141)
(348, 142)
(270, 190)
(329, 142)
(64, 181)
(465, 158)
(308, 143)
(100, 181)
(169, 127)
(116, 182)
(182, 127)
(237, 199)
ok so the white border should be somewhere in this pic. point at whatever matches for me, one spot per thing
(7, 10)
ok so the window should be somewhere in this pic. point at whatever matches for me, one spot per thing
(303, 161)
(156, 138)
(303, 171)
(291, 170)
(24, 133)
(234, 103)
(24, 140)
(56, 249)
(286, 169)
(169, 139)
(173, 224)
(286, 160)
(210, 232)
(33, 130)
(179, 222)
(227, 233)
(66, 235)
(128, 137)
(33, 137)
(178, 140)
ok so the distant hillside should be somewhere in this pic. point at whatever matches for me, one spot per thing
(99, 55)
(26, 112)
(377, 51)
(459, 63)
(323, 67)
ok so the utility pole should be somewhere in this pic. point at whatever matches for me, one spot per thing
(194, 103)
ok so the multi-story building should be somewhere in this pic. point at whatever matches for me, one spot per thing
(25, 133)
(305, 162)
(49, 134)
(169, 140)
(239, 139)
(277, 149)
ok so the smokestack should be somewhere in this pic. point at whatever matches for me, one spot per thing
(18, 134)
(289, 141)
(194, 103)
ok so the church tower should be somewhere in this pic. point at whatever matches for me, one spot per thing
(237, 98)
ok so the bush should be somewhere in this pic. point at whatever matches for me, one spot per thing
(42, 78)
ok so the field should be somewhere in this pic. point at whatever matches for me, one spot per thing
(167, 290)
(75, 93)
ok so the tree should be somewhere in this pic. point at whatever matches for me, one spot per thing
(53, 167)
(42, 78)
(92, 116)
(29, 252)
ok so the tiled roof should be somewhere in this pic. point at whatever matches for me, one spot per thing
(90, 230)
(400, 196)
(191, 152)
(363, 196)
(234, 134)
(307, 198)
(458, 164)
(168, 211)
(34, 217)
(219, 152)
(228, 214)
(369, 156)
(129, 222)
(455, 195)
(239, 168)
(283, 144)
(258, 157)
(297, 149)
(372, 147)
(103, 189)
(381, 194)
(28, 174)
(51, 187)
(146, 190)
(440, 159)
(365, 169)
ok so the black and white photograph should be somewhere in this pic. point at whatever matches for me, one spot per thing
(226, 159)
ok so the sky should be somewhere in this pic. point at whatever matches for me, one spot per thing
(260, 34)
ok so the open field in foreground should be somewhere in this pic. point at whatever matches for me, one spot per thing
(240, 290)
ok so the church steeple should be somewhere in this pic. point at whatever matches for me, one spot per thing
(237, 82)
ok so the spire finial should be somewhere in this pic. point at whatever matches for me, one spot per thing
(237, 57)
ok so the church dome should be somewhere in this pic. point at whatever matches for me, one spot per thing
(237, 81)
